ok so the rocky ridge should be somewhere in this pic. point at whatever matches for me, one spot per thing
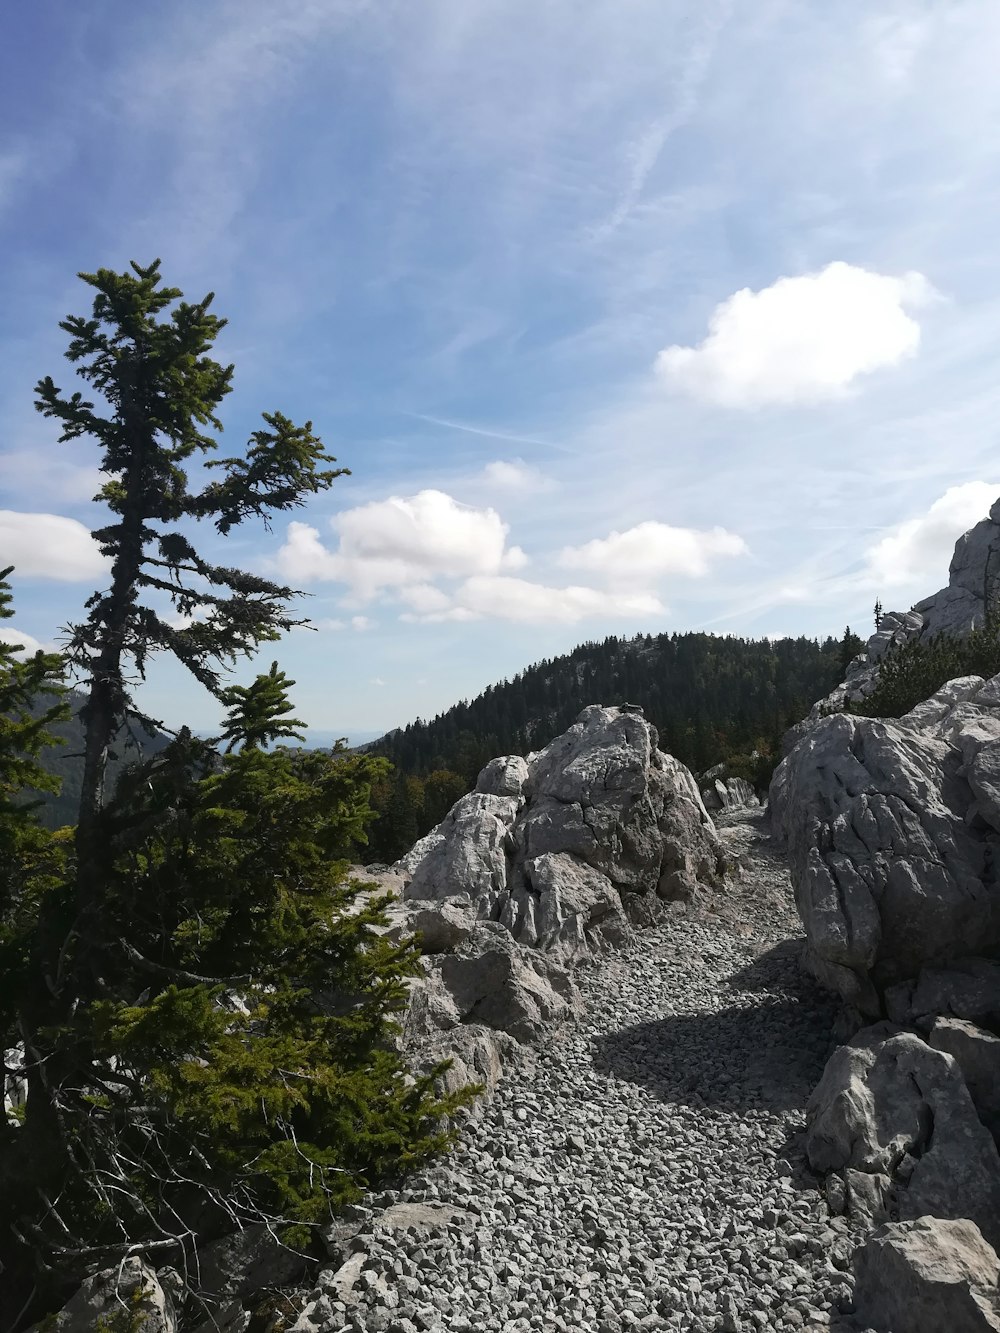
(893, 830)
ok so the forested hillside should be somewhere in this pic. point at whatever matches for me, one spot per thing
(711, 698)
(65, 761)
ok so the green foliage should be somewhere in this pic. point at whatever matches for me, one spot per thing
(258, 711)
(31, 703)
(241, 1049)
(25, 730)
(208, 1008)
(910, 673)
(161, 392)
(851, 645)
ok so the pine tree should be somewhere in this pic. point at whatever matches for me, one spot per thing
(161, 391)
(878, 615)
(206, 1011)
(850, 646)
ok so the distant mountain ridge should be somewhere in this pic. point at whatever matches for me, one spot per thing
(65, 760)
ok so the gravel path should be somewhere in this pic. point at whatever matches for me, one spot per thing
(646, 1169)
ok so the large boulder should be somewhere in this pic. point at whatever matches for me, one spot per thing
(132, 1289)
(569, 847)
(927, 1276)
(977, 1054)
(891, 848)
(890, 1105)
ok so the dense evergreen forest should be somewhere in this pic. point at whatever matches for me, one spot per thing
(711, 697)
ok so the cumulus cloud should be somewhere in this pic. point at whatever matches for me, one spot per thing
(398, 542)
(801, 340)
(516, 475)
(48, 546)
(28, 644)
(652, 550)
(920, 549)
(499, 597)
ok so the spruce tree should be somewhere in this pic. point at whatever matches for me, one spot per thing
(206, 1012)
(160, 392)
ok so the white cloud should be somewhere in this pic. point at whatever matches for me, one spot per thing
(48, 546)
(651, 550)
(516, 475)
(801, 340)
(361, 623)
(29, 645)
(498, 597)
(424, 599)
(398, 542)
(30, 471)
(921, 548)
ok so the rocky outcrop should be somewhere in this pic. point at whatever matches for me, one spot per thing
(892, 829)
(927, 1276)
(720, 791)
(547, 860)
(898, 1110)
(567, 849)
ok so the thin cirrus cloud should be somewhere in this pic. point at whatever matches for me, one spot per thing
(918, 550)
(402, 541)
(49, 546)
(651, 551)
(802, 340)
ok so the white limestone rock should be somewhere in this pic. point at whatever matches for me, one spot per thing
(887, 1098)
(891, 872)
(568, 847)
(929, 1275)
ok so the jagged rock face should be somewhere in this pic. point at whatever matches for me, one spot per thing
(891, 1106)
(892, 829)
(927, 1276)
(955, 610)
(581, 839)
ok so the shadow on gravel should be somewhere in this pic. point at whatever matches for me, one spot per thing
(767, 1053)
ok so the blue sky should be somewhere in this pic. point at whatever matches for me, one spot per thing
(626, 314)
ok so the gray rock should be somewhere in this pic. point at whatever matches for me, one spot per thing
(237, 1265)
(470, 855)
(889, 875)
(132, 1289)
(439, 926)
(977, 1054)
(505, 776)
(493, 980)
(888, 1096)
(725, 793)
(927, 1276)
(566, 849)
(966, 988)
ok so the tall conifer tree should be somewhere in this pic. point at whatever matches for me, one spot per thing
(160, 392)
